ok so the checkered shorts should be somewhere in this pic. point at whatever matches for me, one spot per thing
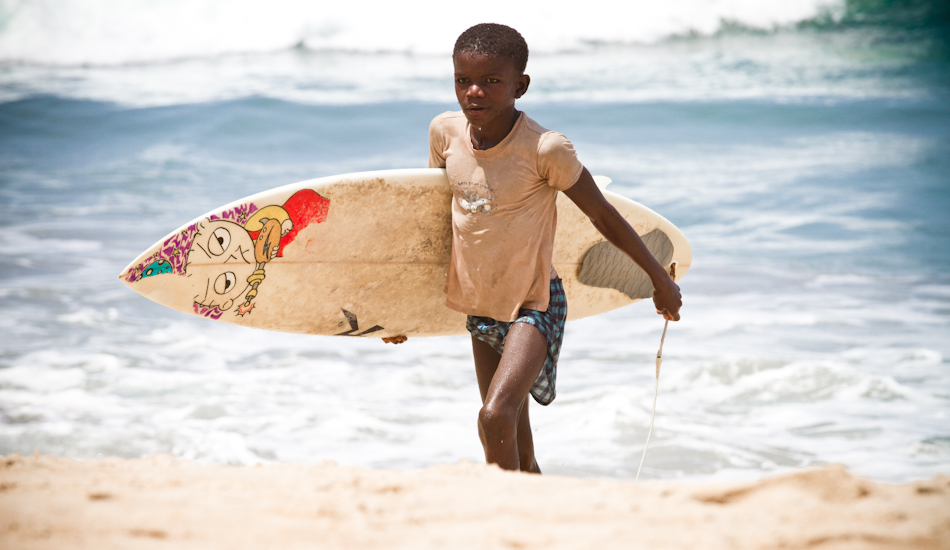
(551, 325)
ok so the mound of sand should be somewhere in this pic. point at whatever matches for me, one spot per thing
(161, 502)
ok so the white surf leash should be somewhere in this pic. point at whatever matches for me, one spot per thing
(656, 386)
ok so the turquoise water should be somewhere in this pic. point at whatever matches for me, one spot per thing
(808, 161)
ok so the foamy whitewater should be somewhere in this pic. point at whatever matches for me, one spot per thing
(802, 146)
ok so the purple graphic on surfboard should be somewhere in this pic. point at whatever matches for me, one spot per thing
(224, 256)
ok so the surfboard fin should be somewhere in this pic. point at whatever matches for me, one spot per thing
(605, 266)
(355, 326)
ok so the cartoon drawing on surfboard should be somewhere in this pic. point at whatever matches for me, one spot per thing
(224, 256)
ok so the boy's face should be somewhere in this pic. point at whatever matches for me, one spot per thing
(487, 87)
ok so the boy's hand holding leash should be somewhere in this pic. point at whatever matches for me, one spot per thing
(666, 297)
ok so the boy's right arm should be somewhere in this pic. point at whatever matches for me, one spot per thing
(587, 196)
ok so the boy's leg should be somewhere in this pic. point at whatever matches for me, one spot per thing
(526, 441)
(486, 363)
(505, 383)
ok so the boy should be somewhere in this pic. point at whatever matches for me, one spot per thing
(505, 171)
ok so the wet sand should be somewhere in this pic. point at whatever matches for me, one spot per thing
(162, 502)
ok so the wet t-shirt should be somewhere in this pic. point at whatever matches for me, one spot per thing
(503, 213)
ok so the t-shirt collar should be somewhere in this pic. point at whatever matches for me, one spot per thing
(483, 153)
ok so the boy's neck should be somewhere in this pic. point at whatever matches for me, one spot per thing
(493, 133)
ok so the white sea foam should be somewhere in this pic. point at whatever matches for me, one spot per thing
(39, 379)
(174, 52)
(732, 405)
(76, 32)
(89, 316)
(789, 67)
(24, 243)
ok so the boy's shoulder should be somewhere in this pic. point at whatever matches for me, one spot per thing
(448, 118)
(449, 115)
(532, 126)
(547, 141)
(543, 140)
(446, 125)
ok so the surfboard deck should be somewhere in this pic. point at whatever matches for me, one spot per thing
(366, 254)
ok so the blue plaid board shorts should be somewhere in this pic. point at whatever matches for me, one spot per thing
(551, 325)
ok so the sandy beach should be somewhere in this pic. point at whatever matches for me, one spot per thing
(162, 502)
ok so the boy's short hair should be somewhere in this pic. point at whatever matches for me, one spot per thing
(495, 40)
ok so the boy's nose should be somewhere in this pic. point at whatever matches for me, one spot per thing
(474, 91)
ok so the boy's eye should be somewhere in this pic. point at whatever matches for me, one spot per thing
(492, 80)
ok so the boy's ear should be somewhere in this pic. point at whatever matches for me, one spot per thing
(523, 82)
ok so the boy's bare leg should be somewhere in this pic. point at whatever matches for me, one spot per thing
(526, 441)
(504, 381)
(486, 363)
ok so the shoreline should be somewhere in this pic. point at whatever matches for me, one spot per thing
(161, 501)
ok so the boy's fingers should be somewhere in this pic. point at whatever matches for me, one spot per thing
(669, 316)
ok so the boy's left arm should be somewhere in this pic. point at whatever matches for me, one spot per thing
(587, 196)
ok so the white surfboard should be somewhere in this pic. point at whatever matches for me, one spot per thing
(366, 254)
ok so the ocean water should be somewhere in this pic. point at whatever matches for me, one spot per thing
(803, 147)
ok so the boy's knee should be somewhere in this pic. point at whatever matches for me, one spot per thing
(494, 417)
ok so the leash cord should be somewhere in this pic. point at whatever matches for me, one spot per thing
(656, 386)
(656, 389)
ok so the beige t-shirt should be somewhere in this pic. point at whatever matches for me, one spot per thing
(503, 213)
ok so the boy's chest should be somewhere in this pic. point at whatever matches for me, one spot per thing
(484, 186)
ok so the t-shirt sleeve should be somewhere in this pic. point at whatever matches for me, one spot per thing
(557, 161)
(436, 144)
